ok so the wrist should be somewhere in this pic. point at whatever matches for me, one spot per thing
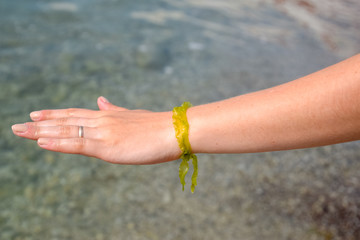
(181, 127)
(203, 128)
(168, 135)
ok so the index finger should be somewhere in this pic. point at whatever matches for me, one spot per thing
(64, 113)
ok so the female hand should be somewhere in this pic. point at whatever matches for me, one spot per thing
(113, 134)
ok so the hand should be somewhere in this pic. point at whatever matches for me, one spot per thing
(113, 134)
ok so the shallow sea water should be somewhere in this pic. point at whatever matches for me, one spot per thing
(155, 55)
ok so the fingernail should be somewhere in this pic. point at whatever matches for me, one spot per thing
(43, 141)
(19, 128)
(104, 100)
(35, 115)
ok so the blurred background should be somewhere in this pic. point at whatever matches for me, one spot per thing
(155, 54)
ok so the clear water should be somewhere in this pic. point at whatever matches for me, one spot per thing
(155, 55)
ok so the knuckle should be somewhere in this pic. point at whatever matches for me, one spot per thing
(36, 132)
(92, 122)
(61, 121)
(106, 120)
(79, 145)
(71, 112)
(64, 130)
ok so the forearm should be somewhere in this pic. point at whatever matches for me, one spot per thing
(319, 109)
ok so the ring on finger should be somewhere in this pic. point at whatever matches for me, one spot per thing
(81, 131)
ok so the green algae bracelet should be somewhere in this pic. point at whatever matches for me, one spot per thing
(181, 126)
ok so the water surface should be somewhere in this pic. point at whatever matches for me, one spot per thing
(155, 55)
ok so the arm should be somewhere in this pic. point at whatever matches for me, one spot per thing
(319, 109)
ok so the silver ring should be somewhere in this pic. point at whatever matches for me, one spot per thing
(81, 131)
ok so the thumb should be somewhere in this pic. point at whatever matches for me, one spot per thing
(104, 104)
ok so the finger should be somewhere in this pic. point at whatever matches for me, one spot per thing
(87, 122)
(83, 146)
(35, 132)
(64, 113)
(104, 104)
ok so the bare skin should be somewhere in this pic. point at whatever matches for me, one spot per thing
(114, 134)
(319, 109)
